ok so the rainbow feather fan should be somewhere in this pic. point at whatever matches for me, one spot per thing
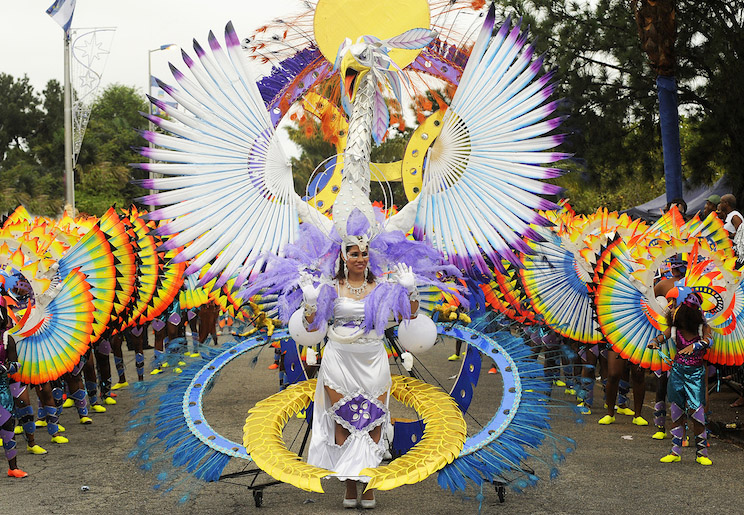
(92, 255)
(557, 288)
(147, 268)
(53, 339)
(124, 258)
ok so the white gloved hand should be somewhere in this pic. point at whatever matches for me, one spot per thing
(311, 357)
(405, 277)
(310, 292)
(407, 359)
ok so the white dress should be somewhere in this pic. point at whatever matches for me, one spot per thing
(355, 364)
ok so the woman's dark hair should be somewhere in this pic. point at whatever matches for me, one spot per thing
(340, 272)
(686, 317)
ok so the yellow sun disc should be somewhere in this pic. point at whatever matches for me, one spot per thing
(339, 19)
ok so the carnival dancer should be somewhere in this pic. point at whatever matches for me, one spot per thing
(677, 270)
(686, 388)
(8, 366)
(616, 369)
(354, 371)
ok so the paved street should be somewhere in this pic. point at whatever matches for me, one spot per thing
(615, 469)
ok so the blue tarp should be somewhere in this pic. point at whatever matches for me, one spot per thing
(695, 198)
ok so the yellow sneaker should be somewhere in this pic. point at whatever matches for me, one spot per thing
(119, 386)
(61, 428)
(97, 408)
(559, 383)
(164, 365)
(584, 409)
(625, 411)
(704, 460)
(36, 449)
(454, 357)
(606, 420)
(86, 420)
(670, 458)
(59, 439)
(181, 363)
(109, 400)
(569, 391)
(640, 421)
(18, 430)
(69, 403)
(41, 423)
(155, 371)
(177, 370)
(659, 435)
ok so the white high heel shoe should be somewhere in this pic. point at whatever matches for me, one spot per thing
(350, 503)
(369, 504)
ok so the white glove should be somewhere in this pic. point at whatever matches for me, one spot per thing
(407, 359)
(311, 357)
(405, 277)
(310, 292)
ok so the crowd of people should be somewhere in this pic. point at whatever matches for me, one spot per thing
(89, 387)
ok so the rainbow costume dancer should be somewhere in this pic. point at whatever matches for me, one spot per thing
(692, 337)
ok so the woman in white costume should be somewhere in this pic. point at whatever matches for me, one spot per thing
(351, 400)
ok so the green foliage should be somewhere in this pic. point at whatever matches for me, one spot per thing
(32, 149)
(610, 95)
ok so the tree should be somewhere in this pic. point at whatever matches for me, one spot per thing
(610, 96)
(19, 112)
(104, 175)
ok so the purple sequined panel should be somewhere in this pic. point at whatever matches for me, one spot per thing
(360, 412)
(694, 359)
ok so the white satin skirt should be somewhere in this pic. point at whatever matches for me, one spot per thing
(359, 372)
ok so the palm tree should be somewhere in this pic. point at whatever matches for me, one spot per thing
(657, 29)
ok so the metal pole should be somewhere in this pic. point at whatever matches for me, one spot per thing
(151, 175)
(69, 174)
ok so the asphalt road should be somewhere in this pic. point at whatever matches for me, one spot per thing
(615, 469)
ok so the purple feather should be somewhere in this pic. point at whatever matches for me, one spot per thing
(357, 224)
(231, 37)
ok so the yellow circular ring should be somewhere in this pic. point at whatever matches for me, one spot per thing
(444, 436)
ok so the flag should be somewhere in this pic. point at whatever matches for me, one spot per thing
(61, 11)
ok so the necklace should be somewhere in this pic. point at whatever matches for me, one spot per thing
(358, 290)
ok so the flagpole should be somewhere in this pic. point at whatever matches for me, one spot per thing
(69, 175)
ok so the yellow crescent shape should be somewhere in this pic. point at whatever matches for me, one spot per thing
(441, 443)
(410, 169)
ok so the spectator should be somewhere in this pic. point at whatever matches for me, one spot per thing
(727, 212)
(681, 207)
(711, 206)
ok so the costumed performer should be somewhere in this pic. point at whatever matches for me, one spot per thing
(8, 366)
(686, 387)
(351, 400)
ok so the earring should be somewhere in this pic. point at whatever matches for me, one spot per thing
(345, 273)
(366, 273)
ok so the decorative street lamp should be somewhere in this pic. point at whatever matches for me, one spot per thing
(149, 91)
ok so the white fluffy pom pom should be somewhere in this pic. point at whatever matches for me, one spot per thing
(301, 335)
(418, 334)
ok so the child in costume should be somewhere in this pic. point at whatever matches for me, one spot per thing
(686, 387)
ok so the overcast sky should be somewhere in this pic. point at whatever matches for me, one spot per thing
(32, 42)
